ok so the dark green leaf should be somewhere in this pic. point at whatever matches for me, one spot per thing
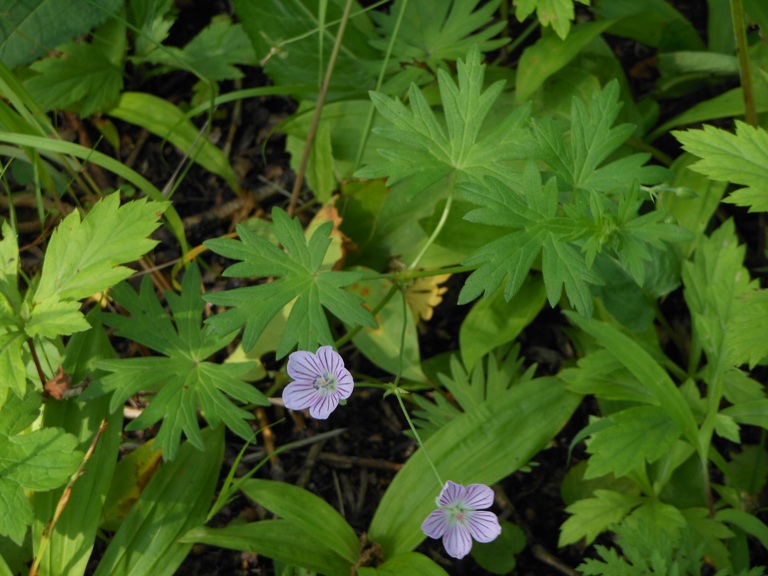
(434, 31)
(183, 379)
(82, 80)
(32, 28)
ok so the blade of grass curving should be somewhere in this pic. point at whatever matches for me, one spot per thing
(305, 511)
(277, 539)
(168, 122)
(175, 500)
(17, 95)
(55, 147)
(73, 538)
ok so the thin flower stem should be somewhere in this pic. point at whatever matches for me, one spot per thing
(418, 439)
(398, 392)
(401, 275)
(438, 229)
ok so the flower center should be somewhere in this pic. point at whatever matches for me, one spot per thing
(325, 382)
(457, 512)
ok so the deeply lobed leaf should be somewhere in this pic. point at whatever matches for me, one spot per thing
(302, 280)
(183, 379)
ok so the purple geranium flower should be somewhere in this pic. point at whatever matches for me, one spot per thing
(319, 382)
(460, 517)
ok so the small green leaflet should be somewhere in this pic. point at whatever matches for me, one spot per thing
(12, 336)
(436, 31)
(636, 436)
(740, 158)
(211, 54)
(714, 283)
(302, 280)
(426, 150)
(531, 210)
(153, 20)
(182, 378)
(591, 516)
(557, 13)
(745, 331)
(41, 460)
(81, 80)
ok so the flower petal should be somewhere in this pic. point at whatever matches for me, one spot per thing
(323, 405)
(482, 526)
(304, 366)
(478, 497)
(436, 524)
(450, 494)
(299, 395)
(457, 541)
(344, 390)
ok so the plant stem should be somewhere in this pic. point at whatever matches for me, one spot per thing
(418, 438)
(379, 82)
(437, 230)
(742, 51)
(318, 110)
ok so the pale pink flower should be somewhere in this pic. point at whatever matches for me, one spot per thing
(460, 517)
(320, 381)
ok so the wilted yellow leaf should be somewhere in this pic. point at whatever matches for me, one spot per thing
(425, 294)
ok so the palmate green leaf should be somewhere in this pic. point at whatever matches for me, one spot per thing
(302, 279)
(183, 379)
(740, 158)
(426, 149)
(555, 13)
(530, 209)
(81, 80)
(40, 460)
(436, 31)
(635, 436)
